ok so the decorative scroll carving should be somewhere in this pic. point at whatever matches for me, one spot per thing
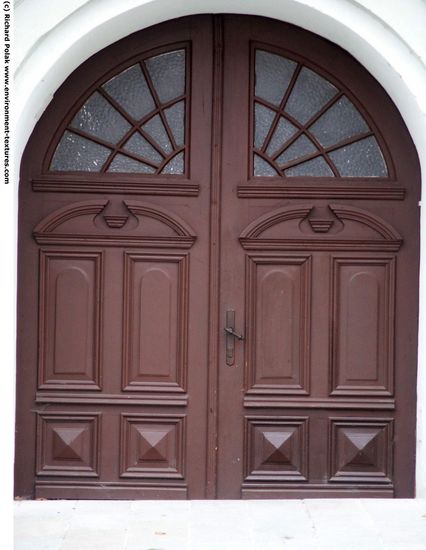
(321, 226)
(367, 219)
(59, 217)
(116, 222)
(179, 227)
(271, 219)
(75, 225)
(280, 230)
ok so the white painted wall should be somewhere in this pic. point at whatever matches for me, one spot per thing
(52, 38)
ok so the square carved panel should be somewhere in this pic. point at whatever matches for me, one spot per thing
(152, 447)
(361, 450)
(276, 448)
(68, 444)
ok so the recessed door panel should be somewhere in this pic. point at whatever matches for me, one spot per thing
(278, 306)
(363, 326)
(70, 319)
(155, 325)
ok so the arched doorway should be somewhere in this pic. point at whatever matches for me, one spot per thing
(206, 174)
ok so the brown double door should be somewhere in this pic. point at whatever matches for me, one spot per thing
(243, 330)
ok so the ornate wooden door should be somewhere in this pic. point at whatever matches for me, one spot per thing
(115, 229)
(320, 255)
(218, 273)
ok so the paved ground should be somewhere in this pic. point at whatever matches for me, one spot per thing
(221, 525)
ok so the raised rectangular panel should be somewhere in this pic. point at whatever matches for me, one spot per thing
(68, 444)
(70, 320)
(362, 326)
(152, 446)
(278, 324)
(276, 448)
(360, 450)
(155, 322)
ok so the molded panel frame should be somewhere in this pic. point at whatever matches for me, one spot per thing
(169, 467)
(386, 372)
(129, 381)
(304, 262)
(381, 471)
(294, 466)
(91, 445)
(44, 381)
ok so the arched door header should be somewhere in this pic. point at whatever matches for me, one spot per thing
(133, 122)
(305, 121)
(306, 125)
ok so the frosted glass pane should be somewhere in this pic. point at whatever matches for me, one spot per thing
(273, 75)
(140, 146)
(167, 72)
(126, 164)
(360, 159)
(315, 167)
(131, 91)
(78, 154)
(310, 93)
(99, 118)
(340, 122)
(263, 168)
(175, 166)
(155, 128)
(282, 133)
(301, 147)
(175, 118)
(263, 120)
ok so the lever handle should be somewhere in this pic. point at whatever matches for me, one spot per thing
(231, 335)
(232, 332)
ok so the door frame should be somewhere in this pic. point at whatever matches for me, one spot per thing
(212, 351)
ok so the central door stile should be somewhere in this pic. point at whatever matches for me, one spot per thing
(214, 257)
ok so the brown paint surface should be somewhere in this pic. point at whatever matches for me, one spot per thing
(125, 280)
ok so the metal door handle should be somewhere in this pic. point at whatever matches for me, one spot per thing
(232, 332)
(230, 337)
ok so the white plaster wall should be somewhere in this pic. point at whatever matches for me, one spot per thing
(52, 38)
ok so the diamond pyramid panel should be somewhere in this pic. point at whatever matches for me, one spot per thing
(68, 443)
(361, 449)
(277, 446)
(276, 449)
(153, 444)
(152, 447)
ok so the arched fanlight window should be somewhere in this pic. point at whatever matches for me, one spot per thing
(306, 126)
(133, 123)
